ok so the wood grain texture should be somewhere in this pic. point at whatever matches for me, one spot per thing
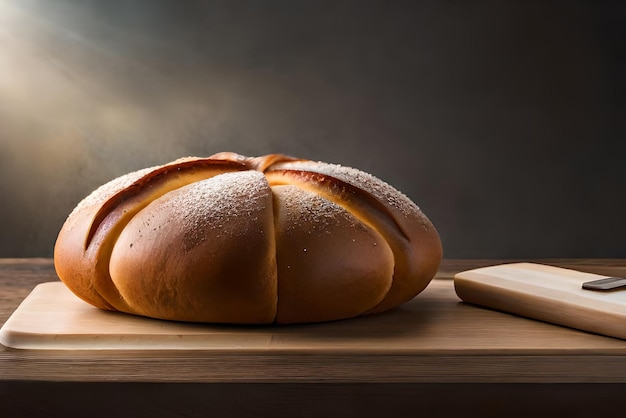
(433, 323)
(434, 338)
(546, 293)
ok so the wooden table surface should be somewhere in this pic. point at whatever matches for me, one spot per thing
(480, 346)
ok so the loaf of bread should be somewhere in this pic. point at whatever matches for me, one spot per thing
(232, 239)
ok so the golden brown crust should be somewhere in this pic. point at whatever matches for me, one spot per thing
(247, 240)
(331, 265)
(202, 258)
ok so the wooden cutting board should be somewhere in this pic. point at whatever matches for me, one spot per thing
(52, 317)
(435, 322)
(546, 293)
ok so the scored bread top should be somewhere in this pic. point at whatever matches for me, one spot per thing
(233, 239)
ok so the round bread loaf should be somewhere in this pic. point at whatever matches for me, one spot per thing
(231, 239)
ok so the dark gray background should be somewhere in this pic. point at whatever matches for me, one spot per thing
(503, 120)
